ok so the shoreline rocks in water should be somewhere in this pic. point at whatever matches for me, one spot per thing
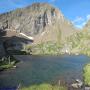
(78, 84)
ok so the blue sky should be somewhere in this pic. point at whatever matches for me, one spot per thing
(78, 11)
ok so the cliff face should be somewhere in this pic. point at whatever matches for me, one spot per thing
(38, 20)
(31, 20)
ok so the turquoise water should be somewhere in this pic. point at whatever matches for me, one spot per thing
(44, 69)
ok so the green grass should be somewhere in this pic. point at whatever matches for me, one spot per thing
(86, 74)
(80, 43)
(48, 48)
(7, 62)
(44, 87)
(6, 66)
(77, 43)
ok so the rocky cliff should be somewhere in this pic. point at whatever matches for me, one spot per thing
(38, 20)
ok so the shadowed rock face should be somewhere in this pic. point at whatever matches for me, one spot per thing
(37, 19)
(10, 41)
(2, 50)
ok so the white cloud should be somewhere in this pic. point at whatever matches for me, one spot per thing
(80, 25)
(84, 23)
(78, 19)
(88, 16)
(79, 22)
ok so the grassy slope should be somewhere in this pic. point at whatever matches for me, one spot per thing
(80, 42)
(48, 48)
(86, 74)
(45, 87)
(7, 63)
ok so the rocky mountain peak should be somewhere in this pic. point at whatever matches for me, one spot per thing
(38, 20)
(32, 19)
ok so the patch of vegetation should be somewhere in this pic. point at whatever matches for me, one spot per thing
(86, 74)
(7, 62)
(48, 48)
(80, 43)
(45, 87)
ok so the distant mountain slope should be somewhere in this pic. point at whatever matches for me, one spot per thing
(40, 20)
(80, 43)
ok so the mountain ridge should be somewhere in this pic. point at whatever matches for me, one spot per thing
(41, 21)
(33, 19)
